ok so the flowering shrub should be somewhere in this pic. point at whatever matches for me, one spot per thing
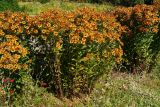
(87, 43)
(11, 63)
(70, 50)
(141, 23)
(155, 46)
(14, 59)
(11, 52)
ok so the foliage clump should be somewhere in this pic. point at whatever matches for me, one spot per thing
(66, 52)
(11, 5)
(70, 51)
(41, 1)
(141, 24)
(118, 2)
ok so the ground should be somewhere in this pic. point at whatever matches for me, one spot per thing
(118, 90)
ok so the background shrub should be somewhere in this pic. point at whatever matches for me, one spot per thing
(141, 24)
(115, 2)
(41, 1)
(118, 2)
(131, 2)
(9, 5)
(156, 49)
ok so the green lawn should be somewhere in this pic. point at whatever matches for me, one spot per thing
(36, 7)
(119, 90)
(123, 90)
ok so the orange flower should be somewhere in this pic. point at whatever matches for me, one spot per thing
(155, 30)
(35, 31)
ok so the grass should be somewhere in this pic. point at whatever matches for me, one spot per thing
(124, 90)
(34, 8)
(119, 90)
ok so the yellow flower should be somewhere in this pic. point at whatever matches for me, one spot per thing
(2, 33)
(44, 31)
(55, 33)
(24, 22)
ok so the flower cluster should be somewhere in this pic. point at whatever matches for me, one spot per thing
(141, 18)
(157, 4)
(147, 17)
(85, 24)
(123, 14)
(11, 51)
